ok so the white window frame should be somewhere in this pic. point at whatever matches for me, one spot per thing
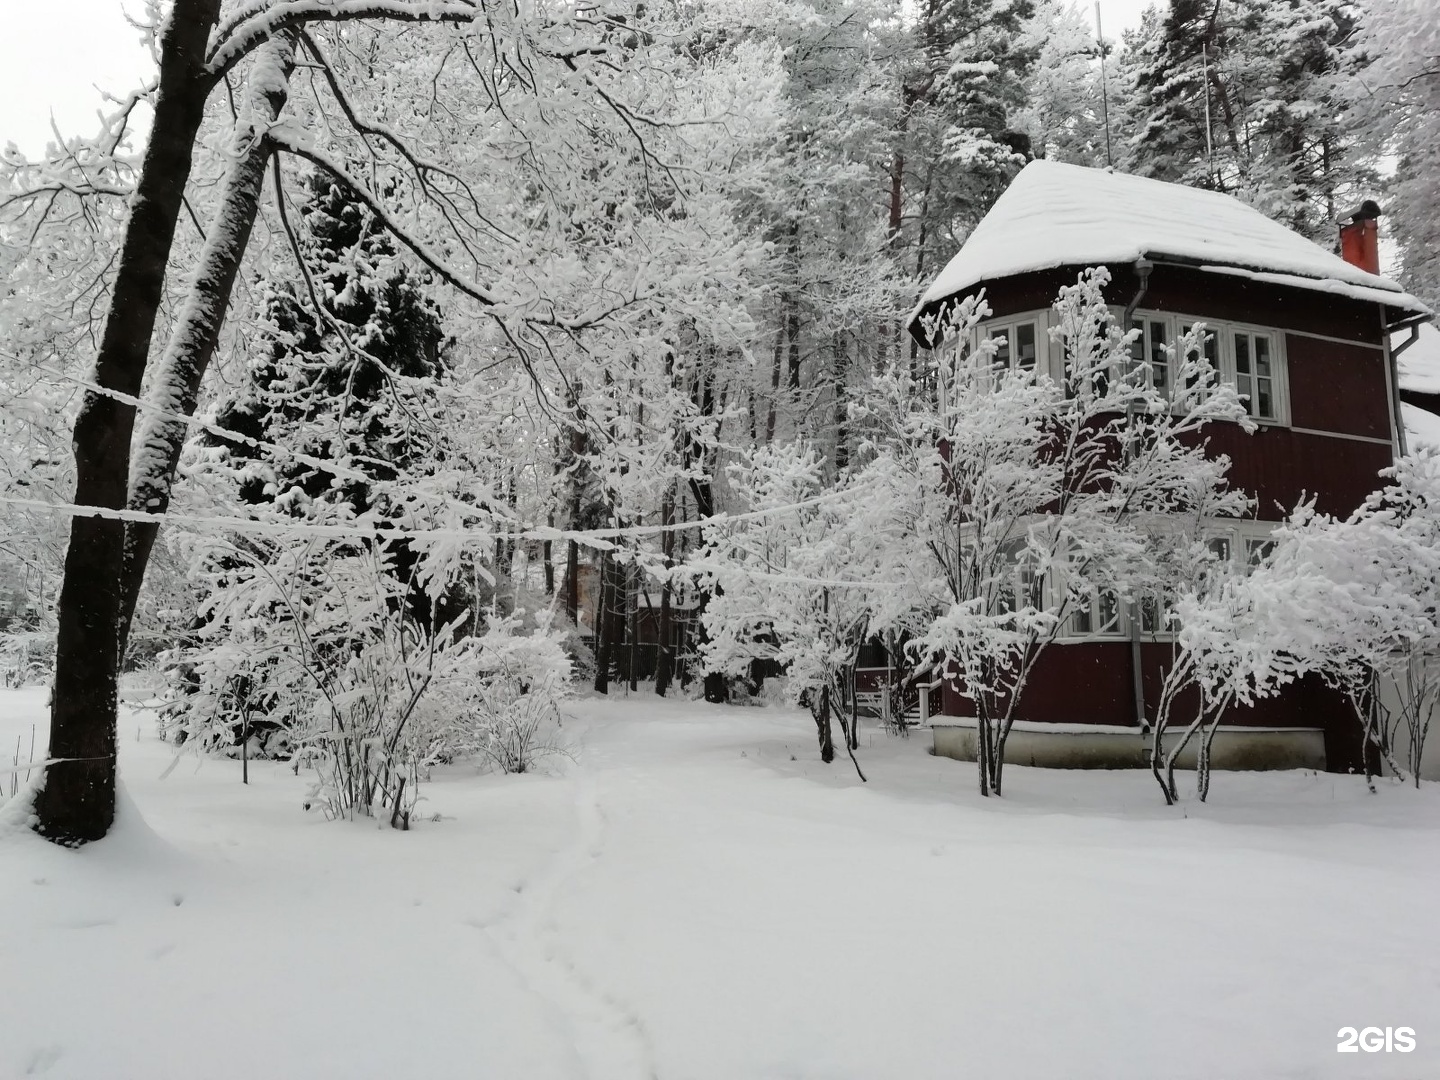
(1224, 331)
(1039, 320)
(1243, 538)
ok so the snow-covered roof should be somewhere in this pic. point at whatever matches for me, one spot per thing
(1055, 214)
(1419, 364)
(1422, 428)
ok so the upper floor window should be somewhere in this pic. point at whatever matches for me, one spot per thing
(1255, 373)
(1248, 358)
(1153, 345)
(1017, 344)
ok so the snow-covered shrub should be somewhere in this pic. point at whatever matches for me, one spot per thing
(1354, 601)
(27, 657)
(520, 679)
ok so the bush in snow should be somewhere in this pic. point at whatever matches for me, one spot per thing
(1356, 601)
(316, 646)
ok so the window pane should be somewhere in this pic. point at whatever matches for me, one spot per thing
(1159, 362)
(1257, 551)
(1108, 609)
(1262, 356)
(1137, 347)
(1025, 345)
(1002, 348)
(1081, 622)
(1264, 400)
(1212, 351)
(1219, 547)
(1242, 353)
(1150, 615)
(1209, 353)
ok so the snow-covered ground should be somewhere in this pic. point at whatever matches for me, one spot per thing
(696, 896)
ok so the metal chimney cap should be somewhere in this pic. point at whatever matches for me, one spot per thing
(1368, 210)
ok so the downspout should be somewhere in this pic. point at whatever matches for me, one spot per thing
(1143, 266)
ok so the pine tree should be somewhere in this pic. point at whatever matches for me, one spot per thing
(1395, 111)
(352, 382)
(1063, 113)
(1243, 96)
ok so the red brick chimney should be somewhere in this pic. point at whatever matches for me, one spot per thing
(1360, 237)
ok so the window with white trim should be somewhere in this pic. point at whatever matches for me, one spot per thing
(1096, 614)
(1256, 552)
(1254, 355)
(1209, 352)
(1153, 345)
(1017, 585)
(1250, 358)
(1019, 343)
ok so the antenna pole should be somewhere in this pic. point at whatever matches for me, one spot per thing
(1105, 88)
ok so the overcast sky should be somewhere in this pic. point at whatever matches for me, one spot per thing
(55, 53)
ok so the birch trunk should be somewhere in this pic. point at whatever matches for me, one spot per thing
(197, 333)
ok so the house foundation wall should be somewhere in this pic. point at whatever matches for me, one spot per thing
(1121, 748)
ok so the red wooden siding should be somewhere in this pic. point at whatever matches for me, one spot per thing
(1335, 387)
(1277, 466)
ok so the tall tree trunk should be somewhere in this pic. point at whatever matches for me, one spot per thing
(601, 626)
(633, 584)
(823, 730)
(77, 802)
(572, 583)
(176, 386)
(663, 660)
(842, 417)
(547, 558)
(775, 380)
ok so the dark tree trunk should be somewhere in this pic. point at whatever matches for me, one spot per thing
(632, 603)
(572, 583)
(703, 489)
(77, 801)
(602, 628)
(547, 559)
(774, 383)
(664, 662)
(197, 333)
(821, 712)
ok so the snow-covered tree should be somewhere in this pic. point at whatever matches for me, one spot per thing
(806, 575)
(565, 193)
(1063, 113)
(1244, 96)
(1395, 111)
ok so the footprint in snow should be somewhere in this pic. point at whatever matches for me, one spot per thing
(41, 1060)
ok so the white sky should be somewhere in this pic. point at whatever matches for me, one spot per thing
(53, 56)
(55, 53)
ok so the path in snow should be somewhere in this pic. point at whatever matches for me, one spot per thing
(608, 1038)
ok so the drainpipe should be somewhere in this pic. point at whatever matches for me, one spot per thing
(1392, 376)
(1143, 266)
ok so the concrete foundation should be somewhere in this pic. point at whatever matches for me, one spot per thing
(1083, 746)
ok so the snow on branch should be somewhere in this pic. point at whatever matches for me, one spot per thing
(233, 39)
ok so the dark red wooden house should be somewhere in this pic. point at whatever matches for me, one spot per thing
(1301, 331)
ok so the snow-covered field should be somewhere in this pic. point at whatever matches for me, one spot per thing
(688, 900)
